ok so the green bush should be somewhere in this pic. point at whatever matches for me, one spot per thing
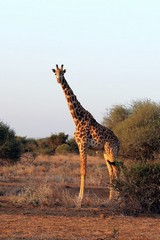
(57, 139)
(139, 188)
(115, 115)
(73, 145)
(28, 144)
(137, 127)
(63, 149)
(9, 145)
(48, 145)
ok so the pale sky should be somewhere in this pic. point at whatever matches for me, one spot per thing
(110, 48)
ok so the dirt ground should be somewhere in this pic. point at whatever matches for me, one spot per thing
(54, 220)
(74, 223)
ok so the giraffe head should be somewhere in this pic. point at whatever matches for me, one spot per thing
(59, 72)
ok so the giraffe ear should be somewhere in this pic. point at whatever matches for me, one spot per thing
(64, 70)
(54, 70)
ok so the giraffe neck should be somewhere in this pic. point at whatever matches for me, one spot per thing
(76, 109)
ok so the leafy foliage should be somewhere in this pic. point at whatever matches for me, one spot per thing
(73, 145)
(137, 127)
(140, 188)
(9, 145)
(56, 143)
(49, 145)
(63, 149)
(57, 139)
(28, 144)
(116, 115)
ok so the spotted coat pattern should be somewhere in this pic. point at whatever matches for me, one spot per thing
(89, 133)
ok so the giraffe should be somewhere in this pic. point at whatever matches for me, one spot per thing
(90, 134)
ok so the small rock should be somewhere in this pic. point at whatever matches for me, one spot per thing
(102, 216)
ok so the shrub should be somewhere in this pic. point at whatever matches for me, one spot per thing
(9, 145)
(43, 147)
(138, 129)
(36, 194)
(73, 145)
(139, 188)
(49, 145)
(63, 149)
(57, 139)
(28, 144)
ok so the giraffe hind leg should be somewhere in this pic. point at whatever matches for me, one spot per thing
(110, 171)
(111, 161)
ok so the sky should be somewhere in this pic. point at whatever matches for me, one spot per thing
(110, 48)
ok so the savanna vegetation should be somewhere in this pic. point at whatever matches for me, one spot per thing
(139, 187)
(9, 145)
(38, 200)
(136, 125)
(138, 129)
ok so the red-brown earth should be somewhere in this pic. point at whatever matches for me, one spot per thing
(25, 215)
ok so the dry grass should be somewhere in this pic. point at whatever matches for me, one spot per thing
(54, 181)
(51, 180)
(35, 194)
(39, 200)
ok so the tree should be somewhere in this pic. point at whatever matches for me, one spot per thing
(115, 115)
(9, 145)
(139, 130)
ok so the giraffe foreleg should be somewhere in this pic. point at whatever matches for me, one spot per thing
(83, 162)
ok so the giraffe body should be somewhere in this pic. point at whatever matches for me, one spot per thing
(89, 134)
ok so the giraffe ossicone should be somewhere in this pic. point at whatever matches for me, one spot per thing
(89, 133)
